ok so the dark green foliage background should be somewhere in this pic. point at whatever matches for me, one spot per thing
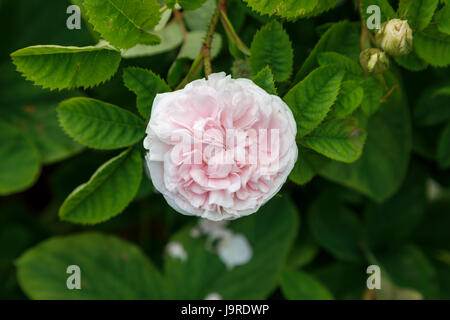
(341, 230)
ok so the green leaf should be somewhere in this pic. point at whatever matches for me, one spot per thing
(98, 124)
(19, 158)
(145, 84)
(350, 98)
(110, 189)
(345, 280)
(286, 9)
(40, 123)
(335, 228)
(271, 47)
(433, 46)
(408, 267)
(110, 268)
(417, 12)
(311, 99)
(270, 233)
(393, 222)
(338, 139)
(373, 93)
(57, 67)
(432, 232)
(342, 37)
(166, 14)
(297, 285)
(304, 250)
(199, 19)
(73, 172)
(387, 13)
(382, 167)
(425, 142)
(171, 38)
(193, 44)
(146, 188)
(124, 23)
(178, 71)
(265, 80)
(41, 28)
(19, 229)
(443, 19)
(443, 154)
(186, 4)
(443, 279)
(241, 69)
(412, 62)
(326, 58)
(322, 6)
(84, 15)
(33, 110)
(308, 164)
(433, 107)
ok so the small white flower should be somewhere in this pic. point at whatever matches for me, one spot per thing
(176, 250)
(235, 250)
(209, 226)
(195, 232)
(214, 229)
(213, 296)
(433, 189)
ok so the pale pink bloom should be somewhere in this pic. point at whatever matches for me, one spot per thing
(220, 148)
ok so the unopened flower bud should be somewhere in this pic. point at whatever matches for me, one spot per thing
(374, 61)
(395, 37)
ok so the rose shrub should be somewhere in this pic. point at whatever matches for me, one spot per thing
(307, 151)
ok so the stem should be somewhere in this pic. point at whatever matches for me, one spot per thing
(365, 33)
(179, 17)
(195, 69)
(380, 78)
(206, 48)
(162, 9)
(395, 86)
(231, 32)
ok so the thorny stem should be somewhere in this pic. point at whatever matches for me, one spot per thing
(204, 58)
(206, 48)
(229, 29)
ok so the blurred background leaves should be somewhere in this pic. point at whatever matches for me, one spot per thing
(391, 207)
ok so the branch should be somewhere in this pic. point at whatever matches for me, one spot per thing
(206, 48)
(365, 33)
(395, 86)
(163, 8)
(229, 29)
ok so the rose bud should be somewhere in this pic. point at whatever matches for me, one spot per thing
(220, 148)
(374, 61)
(395, 37)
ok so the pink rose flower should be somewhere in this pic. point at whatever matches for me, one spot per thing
(220, 148)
